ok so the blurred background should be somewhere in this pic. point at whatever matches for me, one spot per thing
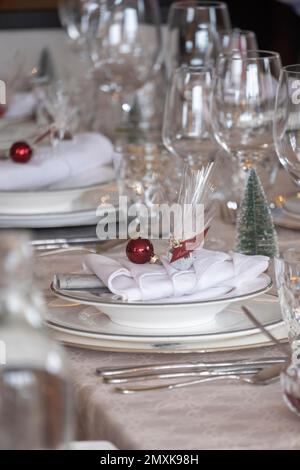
(275, 22)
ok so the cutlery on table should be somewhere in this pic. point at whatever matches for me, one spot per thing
(178, 375)
(109, 372)
(263, 377)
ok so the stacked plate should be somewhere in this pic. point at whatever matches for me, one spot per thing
(56, 208)
(85, 326)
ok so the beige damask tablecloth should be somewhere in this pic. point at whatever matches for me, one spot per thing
(208, 416)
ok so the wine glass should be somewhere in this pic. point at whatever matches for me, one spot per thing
(286, 129)
(237, 39)
(242, 111)
(193, 33)
(81, 19)
(187, 131)
(126, 50)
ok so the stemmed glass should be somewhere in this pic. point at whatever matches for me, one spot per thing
(81, 20)
(127, 49)
(286, 129)
(238, 40)
(243, 108)
(193, 33)
(187, 131)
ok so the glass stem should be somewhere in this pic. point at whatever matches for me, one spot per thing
(296, 351)
(123, 106)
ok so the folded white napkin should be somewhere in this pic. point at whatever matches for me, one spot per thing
(21, 105)
(48, 166)
(212, 275)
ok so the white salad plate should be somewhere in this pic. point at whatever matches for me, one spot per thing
(86, 327)
(167, 313)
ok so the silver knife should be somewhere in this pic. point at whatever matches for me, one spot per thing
(156, 368)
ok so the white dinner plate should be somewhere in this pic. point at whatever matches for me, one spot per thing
(166, 313)
(56, 208)
(87, 327)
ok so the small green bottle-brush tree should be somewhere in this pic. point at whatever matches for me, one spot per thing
(256, 234)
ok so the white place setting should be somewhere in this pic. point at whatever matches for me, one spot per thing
(59, 188)
(63, 181)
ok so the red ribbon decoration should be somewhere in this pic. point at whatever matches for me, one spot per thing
(182, 250)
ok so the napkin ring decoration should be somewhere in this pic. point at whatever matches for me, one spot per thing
(194, 214)
(180, 254)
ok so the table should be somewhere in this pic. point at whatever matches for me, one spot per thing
(209, 416)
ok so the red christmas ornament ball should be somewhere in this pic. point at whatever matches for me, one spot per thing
(20, 152)
(139, 251)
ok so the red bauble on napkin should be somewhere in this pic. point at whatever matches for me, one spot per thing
(139, 251)
(20, 152)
